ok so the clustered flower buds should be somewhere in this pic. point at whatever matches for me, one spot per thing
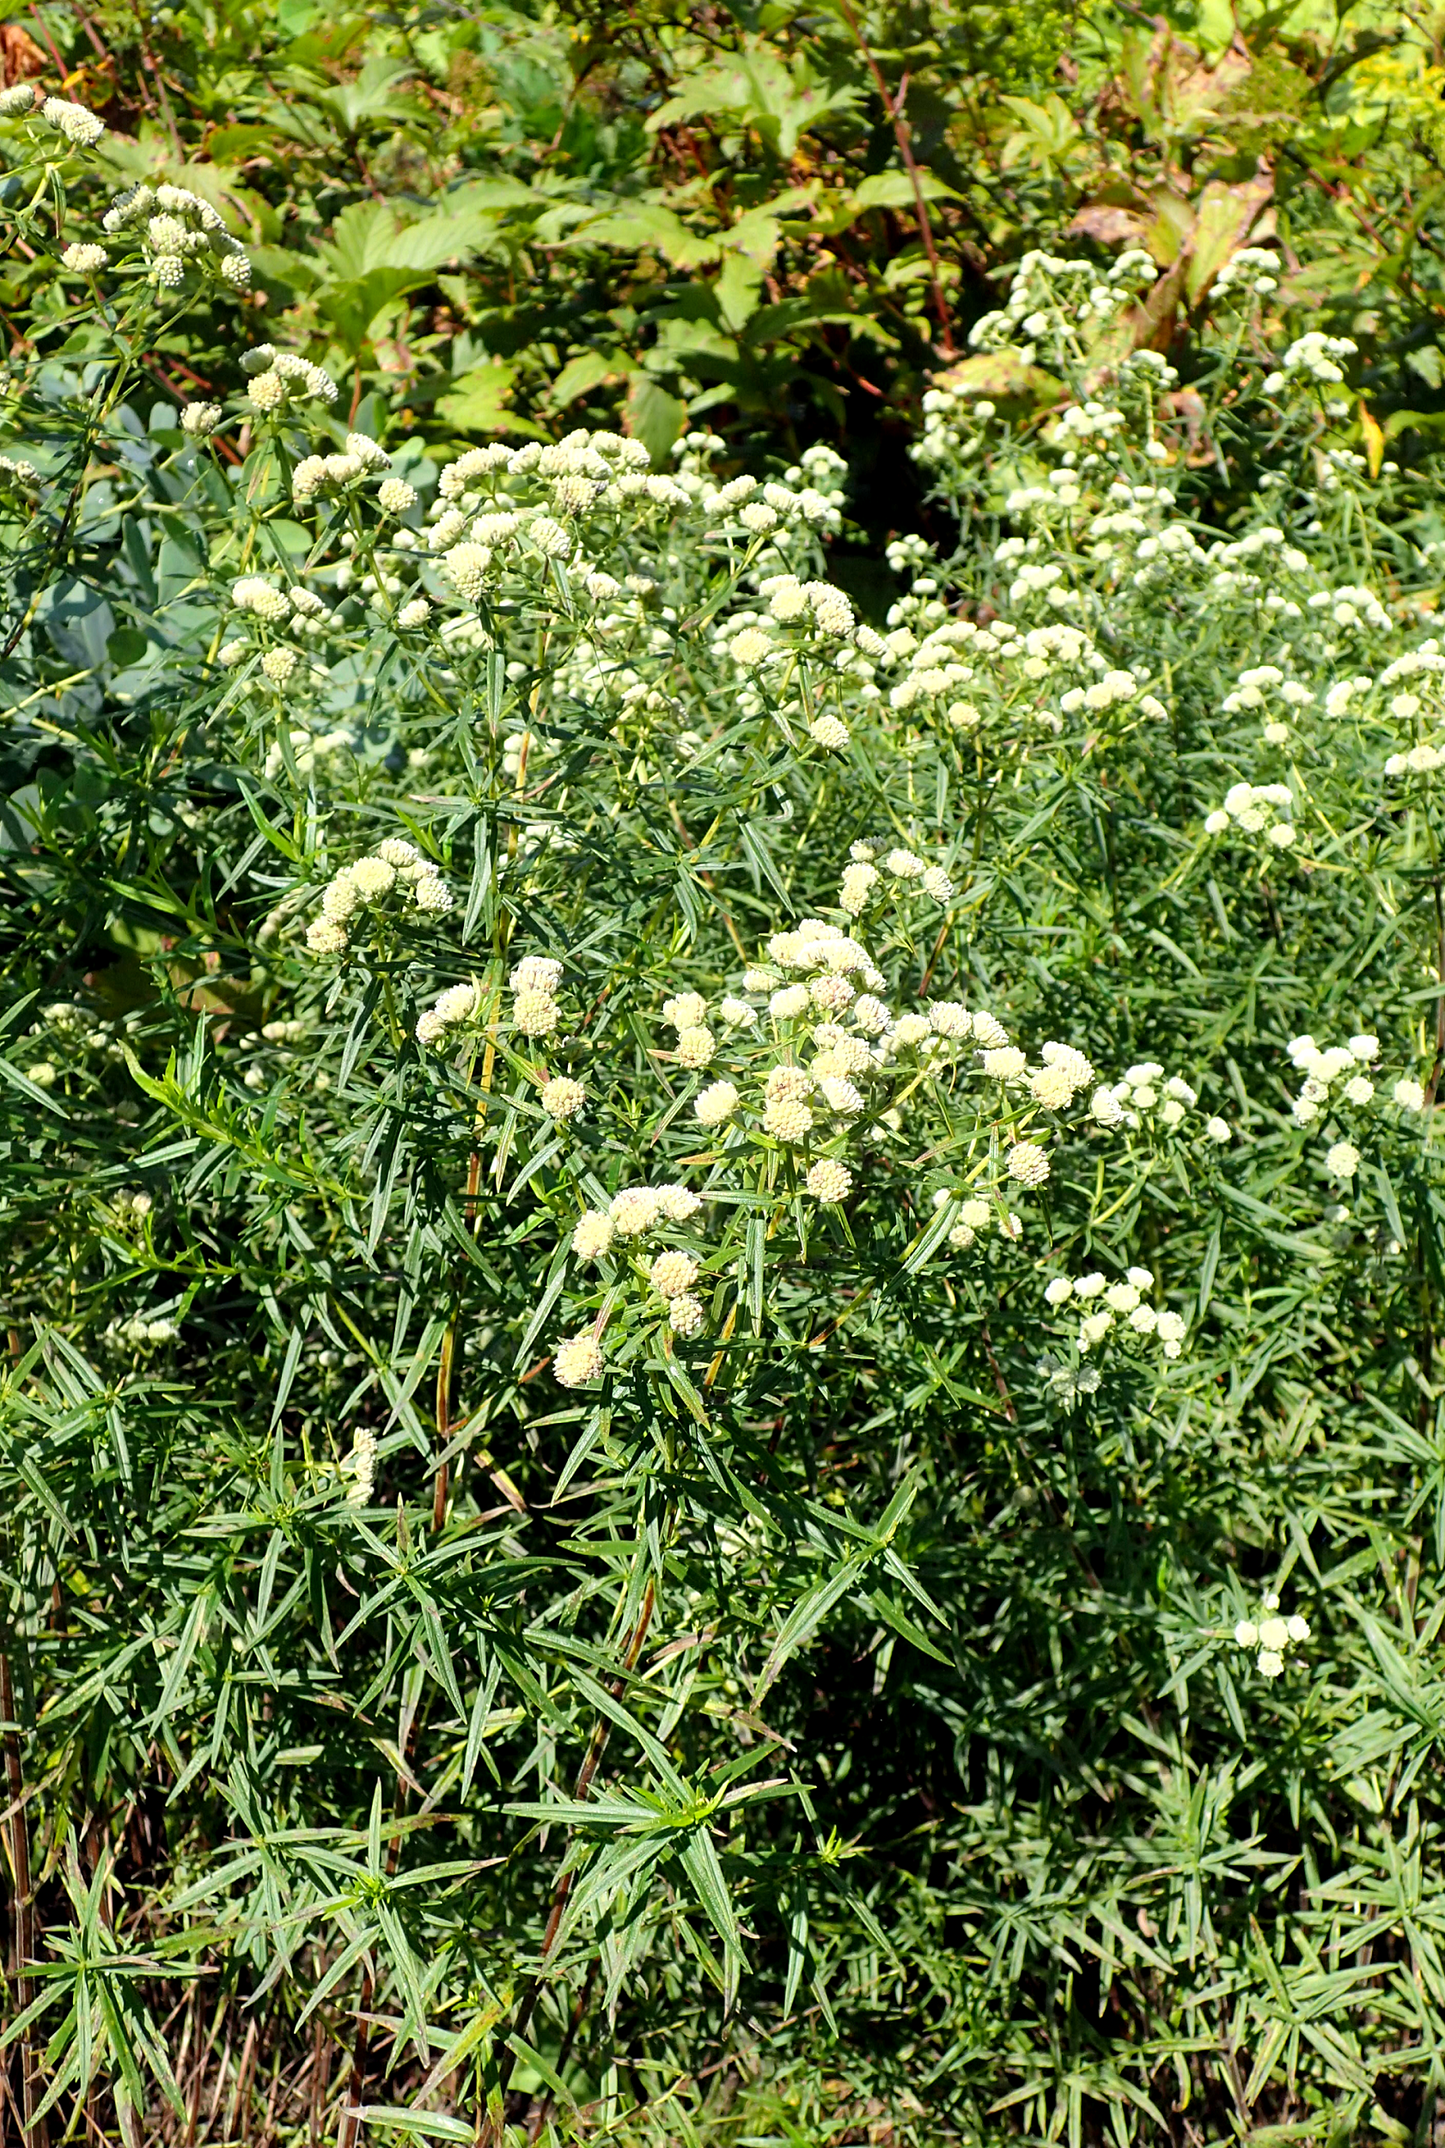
(534, 984)
(1256, 809)
(1272, 1636)
(326, 474)
(280, 378)
(178, 229)
(395, 869)
(1123, 1302)
(1145, 1099)
(1335, 1076)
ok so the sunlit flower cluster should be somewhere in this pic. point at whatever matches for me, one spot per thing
(1271, 1635)
(393, 877)
(1122, 1304)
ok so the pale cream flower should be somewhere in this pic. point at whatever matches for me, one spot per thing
(535, 1013)
(563, 1098)
(695, 1047)
(672, 1274)
(677, 1203)
(716, 1103)
(788, 1121)
(577, 1360)
(592, 1236)
(634, 1210)
(1028, 1163)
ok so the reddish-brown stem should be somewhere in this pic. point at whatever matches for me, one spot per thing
(902, 134)
(1434, 1082)
(490, 2123)
(579, 2012)
(35, 2133)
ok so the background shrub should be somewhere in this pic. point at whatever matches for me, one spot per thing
(725, 990)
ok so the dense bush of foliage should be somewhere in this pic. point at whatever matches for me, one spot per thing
(721, 1418)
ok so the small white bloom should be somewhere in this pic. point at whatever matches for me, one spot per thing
(685, 1315)
(577, 1360)
(563, 1098)
(1028, 1163)
(829, 1180)
(431, 893)
(673, 1274)
(634, 1210)
(592, 1236)
(716, 1103)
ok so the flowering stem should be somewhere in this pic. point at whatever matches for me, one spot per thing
(491, 2121)
(893, 106)
(34, 2132)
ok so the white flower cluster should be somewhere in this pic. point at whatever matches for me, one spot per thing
(809, 495)
(1051, 297)
(1111, 1302)
(1313, 356)
(631, 1216)
(281, 378)
(142, 1332)
(1420, 760)
(1144, 1098)
(1333, 1075)
(457, 1003)
(305, 746)
(1254, 269)
(300, 611)
(687, 1012)
(358, 1468)
(533, 985)
(394, 867)
(1147, 1100)
(1256, 809)
(1272, 1635)
(808, 987)
(1351, 605)
(333, 473)
(177, 227)
(1256, 682)
(563, 1098)
(896, 870)
(80, 126)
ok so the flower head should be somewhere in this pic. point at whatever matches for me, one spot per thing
(592, 1235)
(716, 1103)
(563, 1098)
(672, 1274)
(577, 1360)
(829, 1180)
